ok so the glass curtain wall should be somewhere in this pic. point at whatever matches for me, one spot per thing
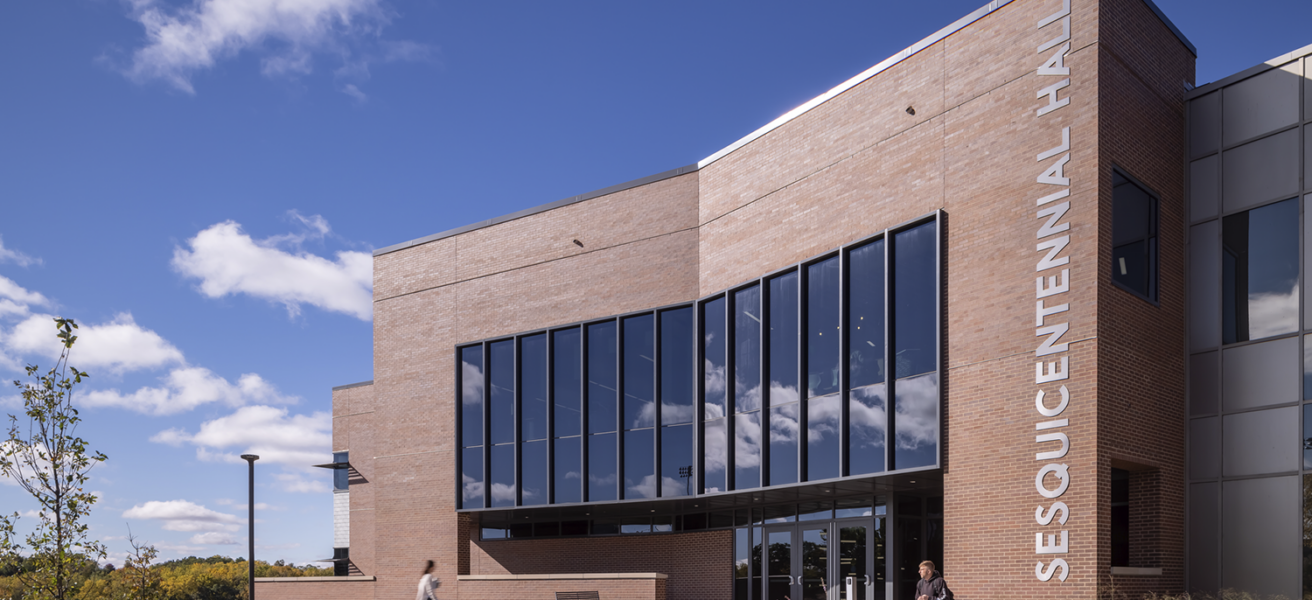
(603, 415)
(715, 430)
(747, 431)
(639, 407)
(567, 413)
(501, 393)
(533, 419)
(783, 369)
(827, 369)
(471, 427)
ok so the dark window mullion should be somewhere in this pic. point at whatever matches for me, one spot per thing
(487, 426)
(764, 381)
(844, 362)
(803, 387)
(890, 358)
(730, 389)
(619, 408)
(551, 417)
(698, 401)
(585, 399)
(656, 398)
(460, 429)
(517, 403)
(938, 333)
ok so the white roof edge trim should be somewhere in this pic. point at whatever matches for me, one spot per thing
(851, 83)
(1276, 62)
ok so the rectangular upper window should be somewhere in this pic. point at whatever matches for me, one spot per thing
(755, 386)
(1134, 237)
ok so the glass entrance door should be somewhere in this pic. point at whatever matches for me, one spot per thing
(813, 571)
(833, 560)
(779, 568)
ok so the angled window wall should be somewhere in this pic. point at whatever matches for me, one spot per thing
(826, 369)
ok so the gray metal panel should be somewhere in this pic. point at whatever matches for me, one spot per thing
(1307, 152)
(1261, 374)
(1205, 448)
(1205, 285)
(1261, 171)
(1307, 88)
(1307, 258)
(1261, 530)
(1204, 188)
(1261, 442)
(1204, 538)
(1204, 384)
(1204, 125)
(1262, 103)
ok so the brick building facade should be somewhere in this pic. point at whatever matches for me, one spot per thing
(1020, 139)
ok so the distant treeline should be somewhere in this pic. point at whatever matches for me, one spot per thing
(190, 578)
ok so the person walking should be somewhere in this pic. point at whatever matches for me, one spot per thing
(427, 584)
(931, 585)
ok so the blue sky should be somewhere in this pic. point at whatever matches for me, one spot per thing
(200, 184)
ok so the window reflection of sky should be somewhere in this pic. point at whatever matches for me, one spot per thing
(567, 389)
(627, 357)
(867, 422)
(676, 366)
(822, 333)
(916, 426)
(501, 373)
(822, 427)
(639, 372)
(601, 378)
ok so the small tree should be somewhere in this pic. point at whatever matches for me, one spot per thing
(50, 463)
(142, 579)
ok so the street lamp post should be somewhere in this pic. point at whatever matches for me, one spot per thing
(250, 522)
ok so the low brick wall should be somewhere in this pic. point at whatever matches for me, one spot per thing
(314, 588)
(611, 586)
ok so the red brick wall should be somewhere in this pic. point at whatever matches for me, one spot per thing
(851, 167)
(1142, 70)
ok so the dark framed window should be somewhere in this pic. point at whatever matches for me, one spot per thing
(1259, 272)
(1134, 235)
(826, 368)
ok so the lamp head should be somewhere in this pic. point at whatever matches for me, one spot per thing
(250, 457)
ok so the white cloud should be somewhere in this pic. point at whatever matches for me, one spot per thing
(236, 506)
(354, 92)
(181, 515)
(228, 261)
(18, 295)
(195, 37)
(16, 257)
(286, 34)
(186, 388)
(179, 549)
(119, 345)
(214, 538)
(298, 482)
(917, 412)
(271, 433)
(1272, 313)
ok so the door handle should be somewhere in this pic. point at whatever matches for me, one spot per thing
(790, 580)
(867, 580)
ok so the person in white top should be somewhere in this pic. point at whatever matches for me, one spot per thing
(427, 584)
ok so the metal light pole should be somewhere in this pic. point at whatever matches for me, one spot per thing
(250, 522)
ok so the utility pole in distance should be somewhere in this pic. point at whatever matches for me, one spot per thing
(250, 522)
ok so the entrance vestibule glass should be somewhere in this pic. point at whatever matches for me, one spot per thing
(816, 561)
